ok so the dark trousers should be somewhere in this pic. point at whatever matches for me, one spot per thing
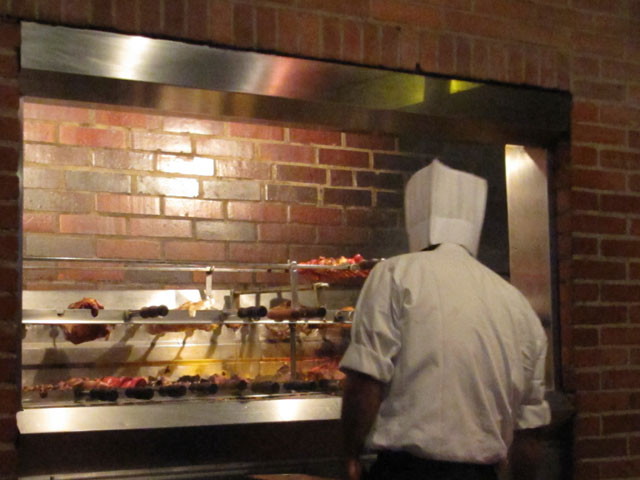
(404, 466)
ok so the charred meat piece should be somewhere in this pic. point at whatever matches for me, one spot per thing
(252, 312)
(104, 394)
(174, 391)
(82, 333)
(140, 393)
(300, 386)
(97, 388)
(265, 387)
(326, 385)
(203, 387)
(284, 311)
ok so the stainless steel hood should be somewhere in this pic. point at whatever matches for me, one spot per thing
(133, 71)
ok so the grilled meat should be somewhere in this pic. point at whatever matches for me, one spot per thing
(81, 333)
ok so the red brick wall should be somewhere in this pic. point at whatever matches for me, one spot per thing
(102, 183)
(589, 47)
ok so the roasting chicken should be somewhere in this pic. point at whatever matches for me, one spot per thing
(282, 333)
(193, 307)
(87, 332)
(90, 303)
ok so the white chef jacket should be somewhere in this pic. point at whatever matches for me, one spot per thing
(460, 350)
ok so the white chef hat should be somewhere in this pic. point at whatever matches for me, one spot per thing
(444, 205)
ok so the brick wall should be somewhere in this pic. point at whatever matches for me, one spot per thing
(101, 183)
(10, 298)
(118, 184)
(589, 47)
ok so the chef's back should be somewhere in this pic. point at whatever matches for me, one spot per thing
(460, 350)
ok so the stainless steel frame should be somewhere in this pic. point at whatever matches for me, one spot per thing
(529, 234)
(100, 67)
(59, 63)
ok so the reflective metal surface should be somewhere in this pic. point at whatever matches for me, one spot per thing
(529, 247)
(225, 471)
(188, 414)
(101, 67)
(174, 317)
(127, 57)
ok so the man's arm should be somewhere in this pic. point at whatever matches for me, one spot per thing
(525, 454)
(360, 404)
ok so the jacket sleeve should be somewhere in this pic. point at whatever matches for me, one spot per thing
(534, 410)
(375, 336)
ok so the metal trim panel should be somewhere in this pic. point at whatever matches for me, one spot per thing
(186, 414)
(228, 471)
(529, 235)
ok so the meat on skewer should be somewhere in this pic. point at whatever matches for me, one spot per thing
(81, 333)
(192, 307)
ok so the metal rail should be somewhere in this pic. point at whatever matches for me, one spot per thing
(174, 317)
(124, 264)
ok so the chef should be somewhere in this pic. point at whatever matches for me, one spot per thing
(445, 370)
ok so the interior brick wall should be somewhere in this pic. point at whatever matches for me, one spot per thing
(588, 47)
(10, 297)
(118, 184)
